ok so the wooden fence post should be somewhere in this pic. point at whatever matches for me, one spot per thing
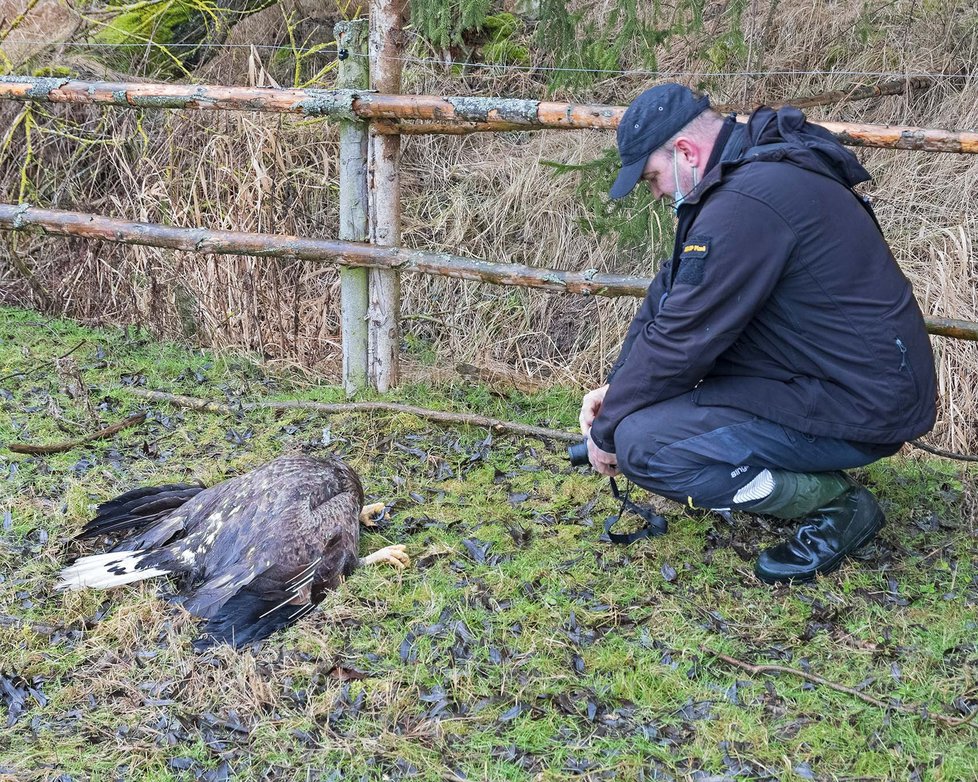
(387, 19)
(351, 42)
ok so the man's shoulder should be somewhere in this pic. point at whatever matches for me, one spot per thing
(776, 183)
(758, 174)
(768, 182)
(765, 196)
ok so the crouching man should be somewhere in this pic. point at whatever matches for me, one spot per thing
(780, 345)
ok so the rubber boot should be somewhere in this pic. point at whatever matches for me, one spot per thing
(838, 517)
(793, 495)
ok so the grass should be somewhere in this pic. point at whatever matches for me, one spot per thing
(517, 647)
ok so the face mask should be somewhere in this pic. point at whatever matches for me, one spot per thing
(679, 196)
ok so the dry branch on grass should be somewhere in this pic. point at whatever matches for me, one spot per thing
(917, 711)
(438, 416)
(43, 450)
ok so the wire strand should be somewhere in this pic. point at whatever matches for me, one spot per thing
(521, 68)
(202, 45)
(640, 72)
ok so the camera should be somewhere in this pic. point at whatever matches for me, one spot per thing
(577, 453)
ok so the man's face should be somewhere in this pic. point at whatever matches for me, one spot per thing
(659, 172)
(658, 175)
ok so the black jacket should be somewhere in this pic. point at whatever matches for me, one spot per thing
(781, 299)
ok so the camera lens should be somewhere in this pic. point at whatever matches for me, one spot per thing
(577, 453)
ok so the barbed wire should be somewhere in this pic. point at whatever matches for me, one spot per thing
(202, 45)
(521, 68)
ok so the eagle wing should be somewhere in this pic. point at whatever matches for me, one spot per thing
(336, 523)
(149, 514)
(312, 554)
(258, 551)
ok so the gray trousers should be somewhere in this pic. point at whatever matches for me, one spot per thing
(704, 456)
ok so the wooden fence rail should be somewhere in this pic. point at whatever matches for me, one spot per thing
(590, 282)
(369, 196)
(431, 113)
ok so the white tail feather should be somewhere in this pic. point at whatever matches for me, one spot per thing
(102, 571)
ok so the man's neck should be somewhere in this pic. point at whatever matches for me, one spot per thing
(724, 131)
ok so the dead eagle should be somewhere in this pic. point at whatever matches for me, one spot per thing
(258, 552)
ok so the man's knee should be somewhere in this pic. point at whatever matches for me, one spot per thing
(634, 445)
(683, 452)
(643, 457)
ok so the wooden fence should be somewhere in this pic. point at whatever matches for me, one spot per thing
(372, 117)
(354, 255)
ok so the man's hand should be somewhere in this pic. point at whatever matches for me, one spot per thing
(590, 407)
(603, 462)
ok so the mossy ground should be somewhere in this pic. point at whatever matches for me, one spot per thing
(517, 647)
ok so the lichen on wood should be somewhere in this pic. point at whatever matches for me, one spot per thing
(337, 104)
(508, 109)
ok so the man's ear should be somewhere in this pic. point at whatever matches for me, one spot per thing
(688, 149)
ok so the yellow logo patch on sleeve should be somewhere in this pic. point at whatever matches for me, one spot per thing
(692, 260)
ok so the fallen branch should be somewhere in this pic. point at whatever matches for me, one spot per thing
(437, 416)
(861, 92)
(961, 457)
(42, 450)
(496, 378)
(918, 711)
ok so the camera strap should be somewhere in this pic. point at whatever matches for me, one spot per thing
(655, 525)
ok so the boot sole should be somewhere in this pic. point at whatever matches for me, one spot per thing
(834, 564)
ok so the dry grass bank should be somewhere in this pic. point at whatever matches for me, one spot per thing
(486, 196)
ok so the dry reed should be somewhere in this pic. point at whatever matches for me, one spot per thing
(483, 195)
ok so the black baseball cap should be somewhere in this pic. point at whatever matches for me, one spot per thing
(654, 117)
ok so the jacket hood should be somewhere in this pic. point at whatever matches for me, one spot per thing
(784, 134)
(802, 143)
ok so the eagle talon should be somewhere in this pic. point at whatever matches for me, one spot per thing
(395, 556)
(369, 511)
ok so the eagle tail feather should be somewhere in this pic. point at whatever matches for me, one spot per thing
(138, 508)
(103, 571)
